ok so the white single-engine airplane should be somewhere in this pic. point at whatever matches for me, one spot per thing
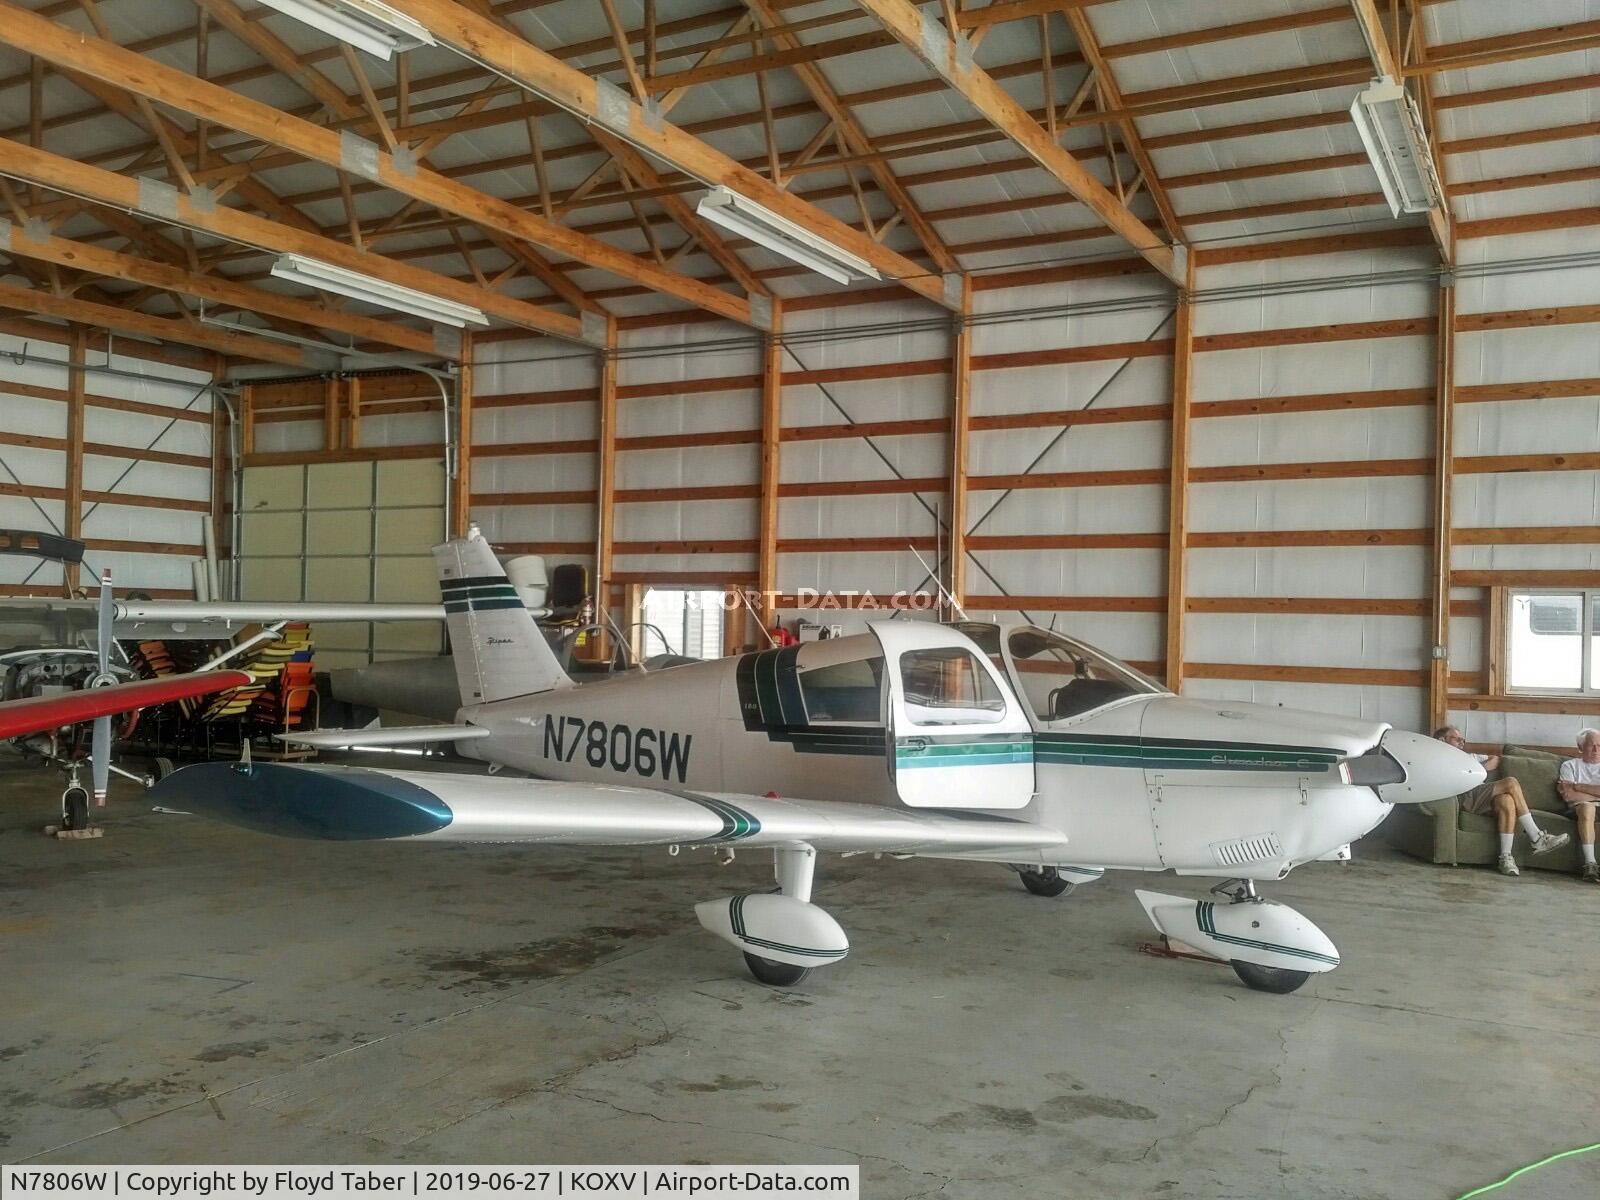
(1013, 746)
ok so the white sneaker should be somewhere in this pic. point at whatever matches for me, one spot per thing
(1507, 865)
(1547, 842)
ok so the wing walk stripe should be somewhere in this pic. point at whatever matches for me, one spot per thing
(736, 823)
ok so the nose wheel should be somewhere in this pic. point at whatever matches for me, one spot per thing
(75, 807)
(1277, 980)
(1044, 881)
(774, 974)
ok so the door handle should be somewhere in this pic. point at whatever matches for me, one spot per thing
(915, 743)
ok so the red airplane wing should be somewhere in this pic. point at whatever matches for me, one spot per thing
(35, 714)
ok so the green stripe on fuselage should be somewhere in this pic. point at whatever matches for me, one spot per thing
(1191, 756)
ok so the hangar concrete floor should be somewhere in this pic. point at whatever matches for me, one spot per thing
(179, 991)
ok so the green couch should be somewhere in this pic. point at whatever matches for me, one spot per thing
(1440, 832)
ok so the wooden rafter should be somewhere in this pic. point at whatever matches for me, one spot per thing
(547, 76)
(155, 82)
(826, 99)
(117, 191)
(944, 55)
(1386, 60)
(280, 56)
(113, 265)
(169, 329)
(1089, 47)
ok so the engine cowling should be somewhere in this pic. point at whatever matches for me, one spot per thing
(776, 927)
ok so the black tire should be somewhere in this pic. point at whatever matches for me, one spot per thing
(774, 974)
(75, 808)
(160, 768)
(1045, 881)
(1278, 980)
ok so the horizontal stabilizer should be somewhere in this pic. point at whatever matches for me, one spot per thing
(345, 803)
(394, 735)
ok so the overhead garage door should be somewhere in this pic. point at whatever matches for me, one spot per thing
(357, 531)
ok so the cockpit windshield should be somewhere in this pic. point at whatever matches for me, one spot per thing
(1062, 678)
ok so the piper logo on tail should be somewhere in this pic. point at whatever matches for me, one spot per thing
(653, 753)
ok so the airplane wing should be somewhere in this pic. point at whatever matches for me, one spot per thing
(367, 803)
(35, 714)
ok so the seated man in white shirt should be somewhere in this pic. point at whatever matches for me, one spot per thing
(1504, 798)
(1580, 788)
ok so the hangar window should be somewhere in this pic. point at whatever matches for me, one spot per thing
(1553, 642)
(686, 621)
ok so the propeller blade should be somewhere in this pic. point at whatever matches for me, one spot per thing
(100, 759)
(100, 743)
(104, 631)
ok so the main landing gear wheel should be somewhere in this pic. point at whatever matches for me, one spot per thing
(774, 974)
(75, 808)
(1045, 881)
(160, 769)
(1278, 980)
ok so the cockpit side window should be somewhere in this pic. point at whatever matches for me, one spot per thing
(1062, 678)
(848, 693)
(947, 685)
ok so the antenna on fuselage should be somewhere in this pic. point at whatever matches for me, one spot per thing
(943, 591)
(744, 598)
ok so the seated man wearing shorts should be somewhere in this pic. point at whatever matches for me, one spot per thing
(1580, 788)
(1503, 798)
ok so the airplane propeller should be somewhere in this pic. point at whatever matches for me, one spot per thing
(100, 744)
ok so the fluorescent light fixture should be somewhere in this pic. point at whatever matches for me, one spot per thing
(748, 219)
(1390, 126)
(326, 277)
(369, 25)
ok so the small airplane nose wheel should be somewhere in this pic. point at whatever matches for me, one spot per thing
(1278, 980)
(75, 808)
(1045, 881)
(774, 974)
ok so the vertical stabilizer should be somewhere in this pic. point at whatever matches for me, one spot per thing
(498, 650)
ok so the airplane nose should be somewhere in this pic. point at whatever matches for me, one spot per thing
(1433, 770)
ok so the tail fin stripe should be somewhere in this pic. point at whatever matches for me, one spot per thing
(498, 650)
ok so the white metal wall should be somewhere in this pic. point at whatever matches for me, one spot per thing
(29, 365)
(676, 383)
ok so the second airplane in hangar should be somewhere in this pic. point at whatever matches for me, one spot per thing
(977, 742)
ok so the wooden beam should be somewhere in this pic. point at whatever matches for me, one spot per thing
(332, 399)
(960, 427)
(1178, 484)
(283, 59)
(184, 333)
(73, 522)
(1443, 486)
(826, 99)
(1386, 60)
(354, 389)
(948, 58)
(592, 101)
(1112, 91)
(149, 79)
(771, 474)
(31, 243)
(119, 191)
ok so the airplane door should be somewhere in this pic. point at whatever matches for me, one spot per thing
(958, 736)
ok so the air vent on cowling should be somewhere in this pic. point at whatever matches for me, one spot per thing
(1261, 847)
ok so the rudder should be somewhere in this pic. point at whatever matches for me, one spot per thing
(498, 649)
